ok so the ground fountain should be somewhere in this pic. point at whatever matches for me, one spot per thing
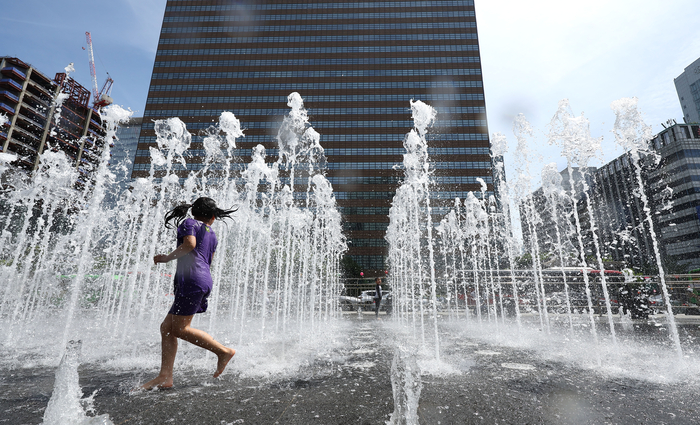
(573, 134)
(477, 269)
(79, 270)
(100, 259)
(553, 190)
(634, 136)
(75, 268)
(411, 226)
(406, 386)
(67, 405)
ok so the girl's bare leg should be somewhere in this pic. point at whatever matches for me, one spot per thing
(183, 330)
(168, 353)
(174, 327)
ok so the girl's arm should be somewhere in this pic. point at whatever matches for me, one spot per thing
(187, 245)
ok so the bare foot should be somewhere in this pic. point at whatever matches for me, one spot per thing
(223, 361)
(160, 382)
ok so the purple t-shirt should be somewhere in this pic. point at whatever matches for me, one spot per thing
(193, 268)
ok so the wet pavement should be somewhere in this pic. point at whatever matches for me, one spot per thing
(496, 385)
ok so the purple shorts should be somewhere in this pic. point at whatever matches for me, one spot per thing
(190, 302)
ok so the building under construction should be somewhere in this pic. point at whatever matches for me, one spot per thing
(36, 122)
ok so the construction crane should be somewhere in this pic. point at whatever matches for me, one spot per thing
(102, 97)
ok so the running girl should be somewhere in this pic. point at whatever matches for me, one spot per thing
(196, 243)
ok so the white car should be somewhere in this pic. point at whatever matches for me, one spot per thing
(368, 296)
(367, 300)
(348, 303)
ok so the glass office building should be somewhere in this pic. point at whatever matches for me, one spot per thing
(688, 89)
(122, 158)
(356, 65)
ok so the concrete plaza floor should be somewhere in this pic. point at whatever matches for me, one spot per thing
(498, 385)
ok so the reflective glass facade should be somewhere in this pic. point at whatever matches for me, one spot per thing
(122, 157)
(688, 89)
(357, 65)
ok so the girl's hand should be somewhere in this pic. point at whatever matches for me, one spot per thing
(160, 258)
(188, 244)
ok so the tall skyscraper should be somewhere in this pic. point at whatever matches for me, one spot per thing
(122, 157)
(357, 65)
(124, 149)
(688, 89)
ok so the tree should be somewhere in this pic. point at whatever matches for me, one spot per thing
(350, 268)
(523, 262)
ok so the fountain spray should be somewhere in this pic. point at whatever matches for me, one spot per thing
(553, 191)
(522, 129)
(499, 146)
(634, 135)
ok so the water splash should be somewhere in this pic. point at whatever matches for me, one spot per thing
(554, 193)
(523, 131)
(68, 255)
(67, 405)
(406, 386)
(634, 135)
(410, 217)
(566, 131)
(499, 147)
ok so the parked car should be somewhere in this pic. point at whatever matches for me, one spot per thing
(347, 302)
(367, 301)
(367, 297)
(656, 303)
(578, 301)
(387, 303)
(635, 299)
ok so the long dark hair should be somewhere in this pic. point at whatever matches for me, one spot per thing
(203, 208)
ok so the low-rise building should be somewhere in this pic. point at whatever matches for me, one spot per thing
(675, 187)
(669, 177)
(550, 215)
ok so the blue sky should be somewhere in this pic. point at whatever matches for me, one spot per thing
(124, 36)
(537, 52)
(534, 54)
